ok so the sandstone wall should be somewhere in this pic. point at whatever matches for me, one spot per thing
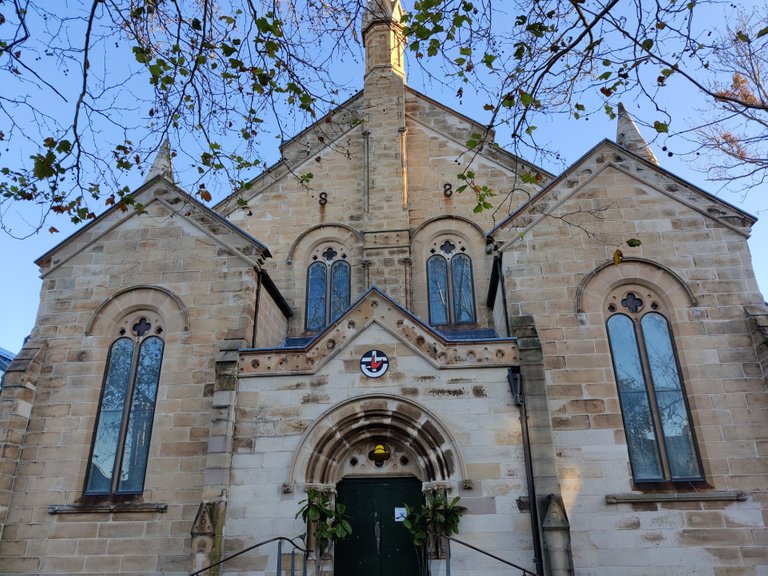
(180, 278)
(698, 272)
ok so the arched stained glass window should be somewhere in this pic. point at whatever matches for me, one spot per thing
(653, 404)
(463, 296)
(328, 289)
(120, 450)
(317, 285)
(339, 288)
(450, 287)
(437, 277)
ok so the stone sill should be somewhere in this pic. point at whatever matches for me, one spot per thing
(107, 508)
(734, 496)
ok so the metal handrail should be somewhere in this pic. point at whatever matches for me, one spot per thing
(475, 548)
(278, 539)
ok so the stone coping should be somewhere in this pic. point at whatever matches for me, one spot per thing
(676, 497)
(107, 508)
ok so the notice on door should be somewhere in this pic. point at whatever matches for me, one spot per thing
(399, 514)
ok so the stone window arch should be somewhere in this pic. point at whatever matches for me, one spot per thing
(119, 453)
(657, 421)
(450, 285)
(328, 285)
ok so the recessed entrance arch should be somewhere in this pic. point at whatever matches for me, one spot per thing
(336, 454)
(323, 454)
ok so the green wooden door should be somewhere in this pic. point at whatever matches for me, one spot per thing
(380, 545)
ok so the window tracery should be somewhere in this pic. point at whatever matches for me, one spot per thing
(654, 407)
(328, 286)
(449, 283)
(120, 449)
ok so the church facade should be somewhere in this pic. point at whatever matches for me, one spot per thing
(588, 375)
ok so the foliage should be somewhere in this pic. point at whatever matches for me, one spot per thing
(328, 522)
(735, 137)
(437, 519)
(91, 90)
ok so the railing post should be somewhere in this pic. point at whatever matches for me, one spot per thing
(279, 557)
(293, 561)
(447, 557)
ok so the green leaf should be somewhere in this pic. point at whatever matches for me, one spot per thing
(43, 166)
(742, 37)
(647, 44)
(661, 127)
(762, 32)
(64, 147)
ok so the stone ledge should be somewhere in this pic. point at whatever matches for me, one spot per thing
(107, 508)
(676, 497)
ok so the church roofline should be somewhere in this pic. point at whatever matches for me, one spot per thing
(559, 178)
(282, 161)
(463, 117)
(140, 190)
(480, 126)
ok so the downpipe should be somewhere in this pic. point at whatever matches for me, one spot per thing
(515, 379)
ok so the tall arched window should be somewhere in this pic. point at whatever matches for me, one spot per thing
(450, 287)
(657, 421)
(120, 450)
(328, 288)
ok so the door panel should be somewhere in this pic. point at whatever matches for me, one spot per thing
(379, 545)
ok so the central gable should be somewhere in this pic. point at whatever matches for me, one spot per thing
(376, 309)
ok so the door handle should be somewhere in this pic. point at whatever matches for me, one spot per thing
(377, 532)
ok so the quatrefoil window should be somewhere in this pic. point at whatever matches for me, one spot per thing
(330, 254)
(141, 327)
(632, 302)
(447, 247)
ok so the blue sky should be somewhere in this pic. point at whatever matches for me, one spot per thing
(19, 290)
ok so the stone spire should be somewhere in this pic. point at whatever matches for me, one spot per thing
(161, 166)
(628, 136)
(383, 37)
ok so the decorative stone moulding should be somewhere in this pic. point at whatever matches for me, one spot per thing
(375, 308)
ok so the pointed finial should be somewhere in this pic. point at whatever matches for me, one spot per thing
(380, 10)
(161, 166)
(628, 136)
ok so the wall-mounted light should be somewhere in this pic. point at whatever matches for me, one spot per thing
(379, 455)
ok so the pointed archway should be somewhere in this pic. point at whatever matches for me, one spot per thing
(415, 433)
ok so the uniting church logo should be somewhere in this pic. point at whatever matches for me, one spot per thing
(374, 363)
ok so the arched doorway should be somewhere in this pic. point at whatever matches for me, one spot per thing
(380, 545)
(336, 455)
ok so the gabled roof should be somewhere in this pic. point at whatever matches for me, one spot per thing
(480, 349)
(491, 152)
(158, 189)
(609, 155)
(338, 123)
